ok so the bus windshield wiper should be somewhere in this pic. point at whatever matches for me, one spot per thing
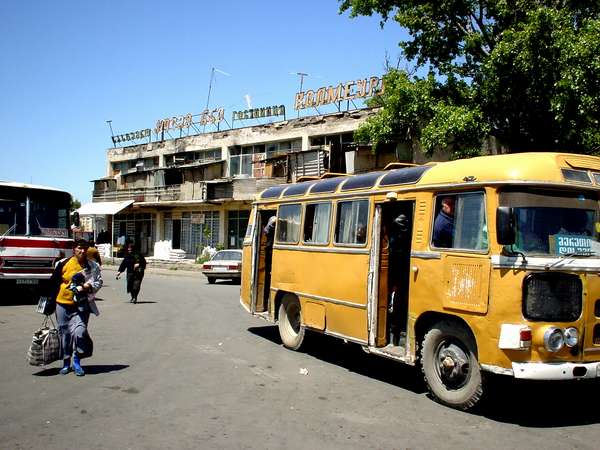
(568, 255)
(7, 232)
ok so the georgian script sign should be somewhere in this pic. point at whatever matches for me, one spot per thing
(140, 134)
(54, 232)
(256, 113)
(350, 90)
(569, 244)
(208, 117)
(174, 122)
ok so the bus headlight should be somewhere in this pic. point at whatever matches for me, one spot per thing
(554, 339)
(571, 337)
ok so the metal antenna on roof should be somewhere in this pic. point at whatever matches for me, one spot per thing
(301, 75)
(112, 135)
(212, 77)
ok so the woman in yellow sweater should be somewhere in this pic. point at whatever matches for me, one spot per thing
(75, 279)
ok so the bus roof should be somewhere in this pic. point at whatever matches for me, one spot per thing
(15, 184)
(528, 167)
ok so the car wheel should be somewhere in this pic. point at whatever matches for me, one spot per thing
(211, 280)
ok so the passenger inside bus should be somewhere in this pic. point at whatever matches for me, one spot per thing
(398, 240)
(269, 236)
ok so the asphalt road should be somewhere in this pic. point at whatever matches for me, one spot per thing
(188, 368)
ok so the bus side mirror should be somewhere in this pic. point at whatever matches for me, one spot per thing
(75, 219)
(505, 225)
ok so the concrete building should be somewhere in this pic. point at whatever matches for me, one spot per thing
(197, 190)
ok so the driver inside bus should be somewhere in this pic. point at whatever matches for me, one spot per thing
(443, 227)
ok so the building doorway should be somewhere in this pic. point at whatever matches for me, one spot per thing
(176, 233)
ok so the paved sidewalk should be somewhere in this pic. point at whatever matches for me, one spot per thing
(156, 265)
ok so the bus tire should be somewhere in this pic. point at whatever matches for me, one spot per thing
(450, 366)
(290, 325)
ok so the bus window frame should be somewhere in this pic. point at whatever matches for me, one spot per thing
(300, 226)
(331, 208)
(435, 212)
(335, 222)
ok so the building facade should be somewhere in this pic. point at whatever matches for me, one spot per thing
(197, 190)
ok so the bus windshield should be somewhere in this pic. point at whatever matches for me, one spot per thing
(555, 223)
(34, 212)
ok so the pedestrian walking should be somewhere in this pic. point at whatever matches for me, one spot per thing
(75, 281)
(135, 265)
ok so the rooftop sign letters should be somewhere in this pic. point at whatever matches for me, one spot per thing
(350, 90)
(257, 113)
(140, 134)
(208, 117)
(174, 122)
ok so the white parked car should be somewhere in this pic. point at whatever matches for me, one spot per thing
(225, 264)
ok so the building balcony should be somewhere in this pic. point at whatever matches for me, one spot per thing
(146, 194)
(218, 190)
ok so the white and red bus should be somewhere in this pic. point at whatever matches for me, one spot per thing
(34, 232)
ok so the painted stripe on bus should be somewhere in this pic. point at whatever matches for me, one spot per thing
(35, 242)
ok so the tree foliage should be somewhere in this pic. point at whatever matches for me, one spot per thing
(524, 71)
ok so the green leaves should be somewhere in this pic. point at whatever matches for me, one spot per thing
(524, 71)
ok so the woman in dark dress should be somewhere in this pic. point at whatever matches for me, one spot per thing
(134, 264)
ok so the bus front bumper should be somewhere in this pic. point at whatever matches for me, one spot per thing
(556, 371)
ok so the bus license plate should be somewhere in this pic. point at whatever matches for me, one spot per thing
(24, 281)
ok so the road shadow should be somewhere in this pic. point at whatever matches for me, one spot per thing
(92, 369)
(540, 404)
(352, 357)
(534, 404)
(15, 295)
(141, 302)
(227, 282)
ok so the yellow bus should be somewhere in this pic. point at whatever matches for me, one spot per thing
(482, 264)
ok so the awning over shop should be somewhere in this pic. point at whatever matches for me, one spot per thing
(103, 208)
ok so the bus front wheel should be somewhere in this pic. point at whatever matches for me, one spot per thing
(291, 329)
(450, 366)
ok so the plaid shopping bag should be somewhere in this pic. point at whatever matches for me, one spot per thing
(45, 344)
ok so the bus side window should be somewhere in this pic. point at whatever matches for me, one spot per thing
(316, 223)
(460, 222)
(351, 222)
(288, 224)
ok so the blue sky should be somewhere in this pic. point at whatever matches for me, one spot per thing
(69, 66)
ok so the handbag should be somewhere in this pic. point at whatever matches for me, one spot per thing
(45, 344)
(46, 305)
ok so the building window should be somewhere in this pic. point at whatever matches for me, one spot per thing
(198, 157)
(246, 160)
(278, 148)
(237, 222)
(138, 228)
(195, 230)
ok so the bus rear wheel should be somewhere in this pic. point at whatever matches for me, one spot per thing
(291, 329)
(450, 366)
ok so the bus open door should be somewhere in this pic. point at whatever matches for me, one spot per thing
(258, 260)
(393, 275)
